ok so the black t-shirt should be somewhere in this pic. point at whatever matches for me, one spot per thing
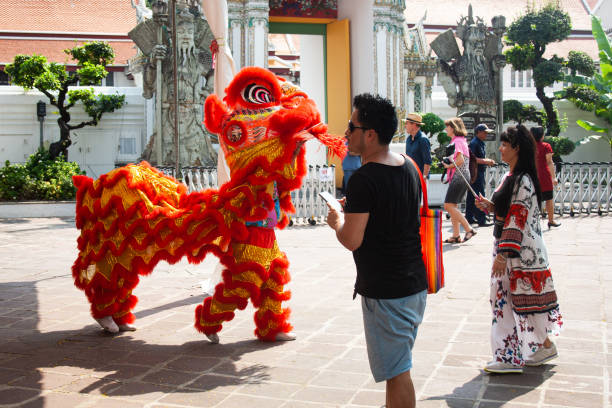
(389, 260)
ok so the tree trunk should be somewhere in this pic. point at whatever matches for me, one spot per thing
(61, 146)
(552, 121)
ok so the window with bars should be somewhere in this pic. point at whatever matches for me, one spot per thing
(528, 83)
(127, 145)
(566, 72)
(418, 98)
(4, 78)
(110, 79)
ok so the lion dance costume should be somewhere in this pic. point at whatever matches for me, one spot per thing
(134, 216)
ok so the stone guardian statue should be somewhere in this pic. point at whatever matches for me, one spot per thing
(470, 79)
(195, 83)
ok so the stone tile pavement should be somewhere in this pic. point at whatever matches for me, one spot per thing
(52, 354)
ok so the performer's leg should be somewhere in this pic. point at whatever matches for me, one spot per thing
(231, 294)
(256, 269)
(112, 297)
(271, 318)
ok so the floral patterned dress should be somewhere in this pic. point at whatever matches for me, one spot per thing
(523, 300)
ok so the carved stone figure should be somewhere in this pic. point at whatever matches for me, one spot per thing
(195, 83)
(470, 79)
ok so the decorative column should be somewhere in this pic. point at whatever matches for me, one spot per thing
(411, 89)
(388, 36)
(428, 85)
(499, 27)
(256, 17)
(235, 12)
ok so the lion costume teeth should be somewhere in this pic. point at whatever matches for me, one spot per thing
(135, 216)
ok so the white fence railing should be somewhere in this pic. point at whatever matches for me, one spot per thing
(309, 206)
(582, 188)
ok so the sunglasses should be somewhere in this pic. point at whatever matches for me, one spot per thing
(352, 127)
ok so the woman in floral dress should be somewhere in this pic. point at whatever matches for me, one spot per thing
(523, 298)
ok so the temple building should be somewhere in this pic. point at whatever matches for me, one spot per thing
(334, 49)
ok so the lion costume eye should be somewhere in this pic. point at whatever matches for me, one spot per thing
(257, 94)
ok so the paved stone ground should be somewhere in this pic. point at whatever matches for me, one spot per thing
(52, 355)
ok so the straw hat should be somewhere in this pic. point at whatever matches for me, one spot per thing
(414, 118)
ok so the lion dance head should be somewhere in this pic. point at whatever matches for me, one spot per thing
(262, 123)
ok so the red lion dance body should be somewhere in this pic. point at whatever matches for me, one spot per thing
(134, 216)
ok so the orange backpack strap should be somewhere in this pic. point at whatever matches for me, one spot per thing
(425, 207)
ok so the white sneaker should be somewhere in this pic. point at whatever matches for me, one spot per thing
(108, 324)
(213, 338)
(502, 368)
(543, 355)
(285, 336)
(126, 327)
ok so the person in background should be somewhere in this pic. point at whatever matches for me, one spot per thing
(523, 298)
(457, 186)
(477, 145)
(546, 173)
(380, 225)
(350, 163)
(417, 145)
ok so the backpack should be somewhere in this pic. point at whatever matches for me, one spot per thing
(473, 164)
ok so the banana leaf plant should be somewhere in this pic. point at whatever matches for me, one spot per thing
(594, 94)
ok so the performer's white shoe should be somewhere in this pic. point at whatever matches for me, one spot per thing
(213, 338)
(127, 327)
(108, 324)
(281, 336)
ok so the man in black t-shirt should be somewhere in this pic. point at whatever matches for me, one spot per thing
(380, 224)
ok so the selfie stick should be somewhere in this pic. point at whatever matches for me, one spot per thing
(476, 196)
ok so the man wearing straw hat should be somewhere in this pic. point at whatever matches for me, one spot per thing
(417, 145)
(380, 225)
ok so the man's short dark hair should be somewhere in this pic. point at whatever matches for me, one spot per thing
(378, 113)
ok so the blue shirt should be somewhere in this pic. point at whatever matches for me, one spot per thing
(351, 162)
(419, 149)
(478, 147)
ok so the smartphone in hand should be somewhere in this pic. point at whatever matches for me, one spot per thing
(331, 200)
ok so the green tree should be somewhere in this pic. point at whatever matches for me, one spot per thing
(515, 111)
(528, 37)
(593, 93)
(432, 124)
(52, 79)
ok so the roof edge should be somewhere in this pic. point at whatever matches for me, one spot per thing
(60, 34)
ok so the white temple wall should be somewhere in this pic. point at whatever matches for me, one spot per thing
(311, 74)
(119, 137)
(361, 17)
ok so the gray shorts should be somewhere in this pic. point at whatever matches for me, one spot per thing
(391, 327)
(456, 189)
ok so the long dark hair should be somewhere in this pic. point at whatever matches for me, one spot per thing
(537, 132)
(526, 162)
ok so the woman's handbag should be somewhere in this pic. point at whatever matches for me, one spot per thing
(431, 240)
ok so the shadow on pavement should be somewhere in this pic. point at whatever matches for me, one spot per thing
(62, 223)
(122, 365)
(190, 300)
(500, 389)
